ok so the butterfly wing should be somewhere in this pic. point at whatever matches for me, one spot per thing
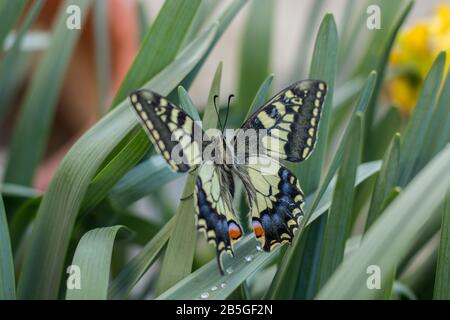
(291, 120)
(171, 130)
(275, 200)
(215, 215)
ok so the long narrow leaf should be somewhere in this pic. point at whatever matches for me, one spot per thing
(323, 67)
(420, 121)
(254, 65)
(135, 269)
(7, 278)
(386, 180)
(160, 45)
(31, 132)
(393, 234)
(442, 280)
(93, 261)
(11, 58)
(9, 12)
(340, 220)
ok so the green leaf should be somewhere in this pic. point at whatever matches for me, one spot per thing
(204, 11)
(21, 221)
(143, 229)
(12, 57)
(442, 280)
(340, 218)
(187, 105)
(224, 20)
(160, 45)
(308, 29)
(361, 106)
(102, 52)
(133, 271)
(386, 180)
(142, 180)
(255, 52)
(144, 21)
(132, 152)
(93, 258)
(365, 171)
(377, 57)
(323, 67)
(392, 235)
(438, 133)
(9, 13)
(15, 190)
(179, 255)
(60, 206)
(7, 278)
(36, 114)
(415, 134)
(283, 285)
(238, 268)
(385, 128)
(261, 96)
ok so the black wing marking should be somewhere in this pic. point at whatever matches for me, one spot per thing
(275, 200)
(170, 129)
(291, 119)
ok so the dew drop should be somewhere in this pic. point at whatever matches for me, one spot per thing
(204, 295)
(229, 270)
(248, 258)
(223, 285)
(258, 248)
(214, 288)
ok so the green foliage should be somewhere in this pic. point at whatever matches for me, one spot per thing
(36, 114)
(357, 213)
(7, 281)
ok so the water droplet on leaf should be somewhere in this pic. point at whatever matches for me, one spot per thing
(204, 295)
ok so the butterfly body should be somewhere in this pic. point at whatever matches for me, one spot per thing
(285, 128)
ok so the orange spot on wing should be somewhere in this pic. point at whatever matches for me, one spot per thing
(258, 229)
(234, 231)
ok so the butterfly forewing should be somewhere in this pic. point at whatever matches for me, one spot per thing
(291, 120)
(170, 129)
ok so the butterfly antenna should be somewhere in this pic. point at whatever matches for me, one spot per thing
(217, 111)
(228, 109)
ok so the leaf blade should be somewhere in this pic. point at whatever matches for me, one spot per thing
(93, 258)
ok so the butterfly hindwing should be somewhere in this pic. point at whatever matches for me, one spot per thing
(275, 200)
(215, 215)
(291, 119)
(170, 129)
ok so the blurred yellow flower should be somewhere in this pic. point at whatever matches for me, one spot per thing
(416, 48)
